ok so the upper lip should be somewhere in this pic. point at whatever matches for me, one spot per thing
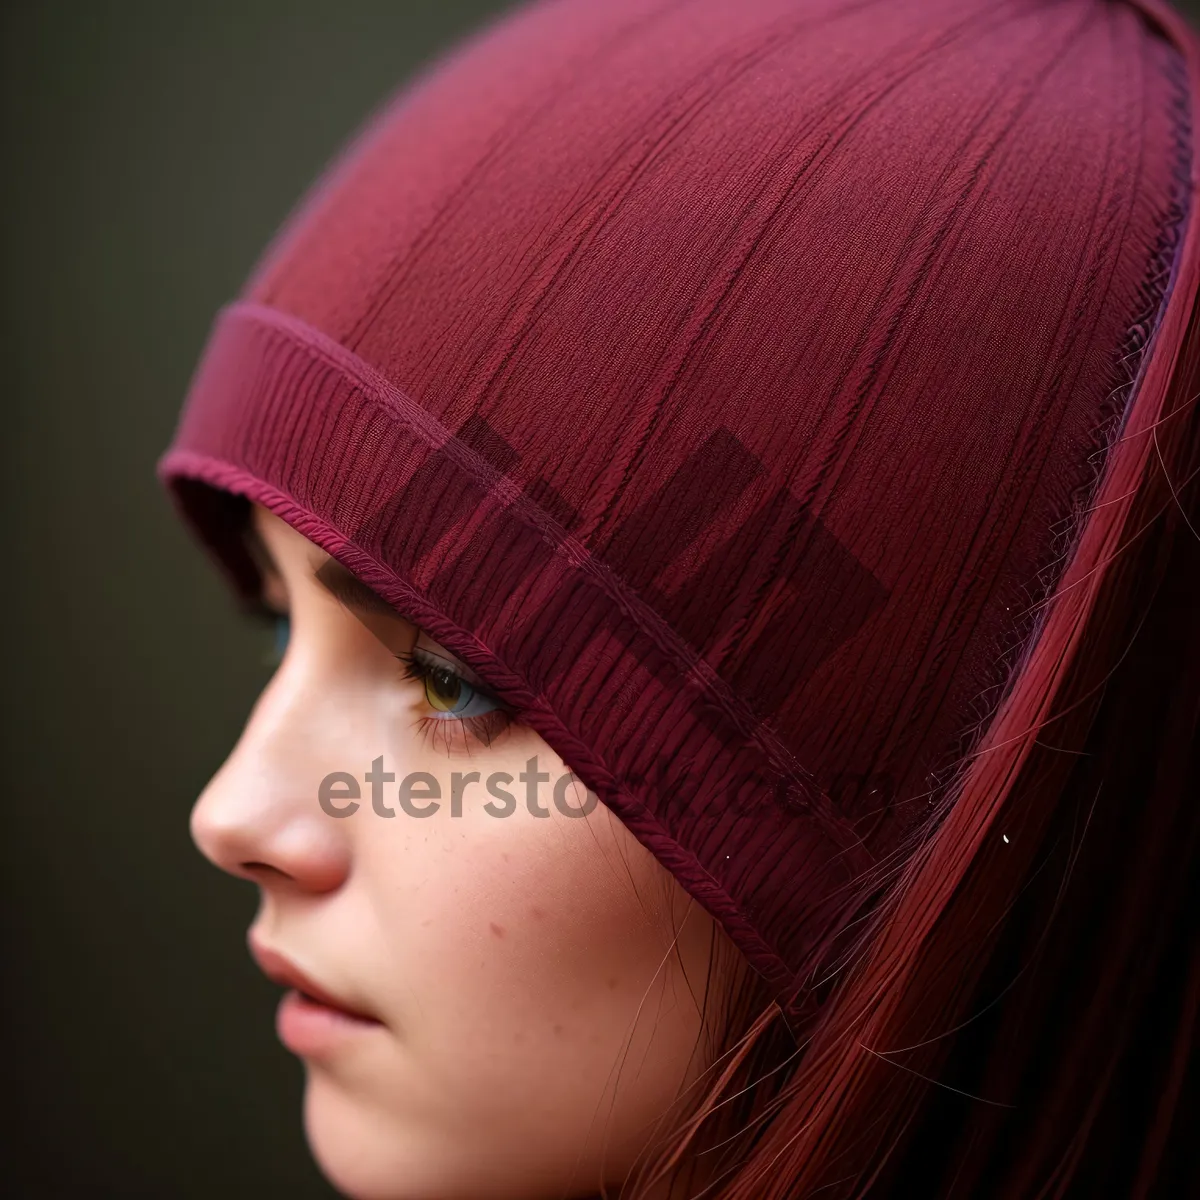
(280, 969)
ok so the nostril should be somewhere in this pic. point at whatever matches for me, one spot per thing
(253, 869)
(254, 821)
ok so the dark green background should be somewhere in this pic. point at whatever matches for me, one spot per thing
(150, 150)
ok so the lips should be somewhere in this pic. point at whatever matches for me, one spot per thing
(283, 971)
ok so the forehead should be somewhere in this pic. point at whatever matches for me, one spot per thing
(277, 546)
(267, 524)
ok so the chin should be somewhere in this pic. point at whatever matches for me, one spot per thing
(365, 1153)
(370, 1153)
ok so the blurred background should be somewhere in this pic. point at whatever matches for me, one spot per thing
(150, 151)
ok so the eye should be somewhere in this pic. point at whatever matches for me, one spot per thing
(279, 630)
(447, 691)
(283, 631)
(460, 707)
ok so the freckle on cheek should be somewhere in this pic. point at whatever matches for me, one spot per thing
(536, 913)
(498, 930)
(612, 981)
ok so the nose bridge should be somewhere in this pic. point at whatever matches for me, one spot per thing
(259, 816)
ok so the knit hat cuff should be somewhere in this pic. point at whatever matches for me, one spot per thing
(425, 519)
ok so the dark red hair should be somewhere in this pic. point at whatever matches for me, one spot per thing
(1018, 1018)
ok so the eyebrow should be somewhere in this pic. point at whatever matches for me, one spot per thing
(341, 583)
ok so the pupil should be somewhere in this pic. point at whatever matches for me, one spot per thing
(447, 683)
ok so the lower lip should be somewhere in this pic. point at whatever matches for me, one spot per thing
(310, 1029)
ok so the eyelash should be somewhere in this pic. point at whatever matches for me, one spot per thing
(457, 732)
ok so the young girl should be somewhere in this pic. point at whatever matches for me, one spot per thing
(725, 473)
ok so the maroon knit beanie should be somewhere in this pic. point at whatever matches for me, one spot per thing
(727, 383)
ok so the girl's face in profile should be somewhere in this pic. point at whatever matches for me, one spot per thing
(530, 981)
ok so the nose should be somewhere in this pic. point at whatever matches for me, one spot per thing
(259, 817)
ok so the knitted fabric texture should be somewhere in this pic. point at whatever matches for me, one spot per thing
(723, 381)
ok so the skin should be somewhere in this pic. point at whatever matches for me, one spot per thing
(540, 981)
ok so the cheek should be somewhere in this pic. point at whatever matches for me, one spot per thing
(524, 949)
(557, 919)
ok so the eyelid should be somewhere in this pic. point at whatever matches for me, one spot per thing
(262, 611)
(460, 668)
(456, 667)
(457, 731)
